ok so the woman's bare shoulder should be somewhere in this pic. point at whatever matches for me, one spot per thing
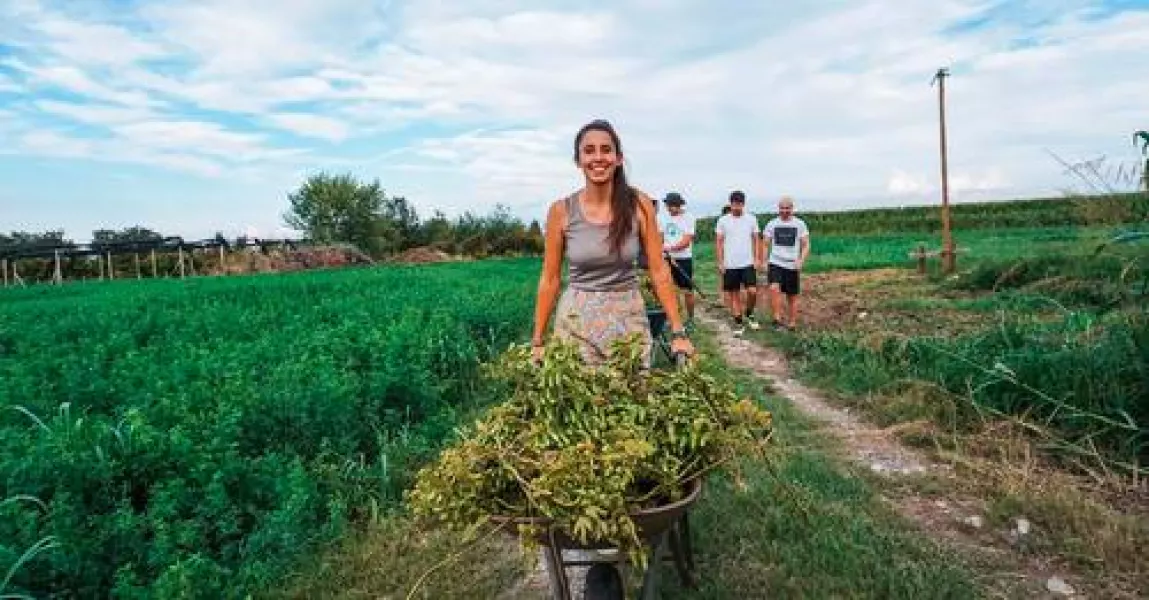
(558, 209)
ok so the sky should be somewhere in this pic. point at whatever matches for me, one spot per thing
(197, 116)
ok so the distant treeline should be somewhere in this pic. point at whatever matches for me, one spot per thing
(340, 208)
(1073, 211)
(330, 212)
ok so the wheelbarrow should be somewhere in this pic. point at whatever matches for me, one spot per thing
(665, 529)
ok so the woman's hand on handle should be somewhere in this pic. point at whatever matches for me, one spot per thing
(682, 345)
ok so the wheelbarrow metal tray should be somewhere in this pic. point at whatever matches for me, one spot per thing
(650, 522)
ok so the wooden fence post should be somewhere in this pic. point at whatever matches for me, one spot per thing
(57, 275)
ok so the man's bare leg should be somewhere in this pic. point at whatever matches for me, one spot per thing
(776, 302)
(793, 310)
(736, 305)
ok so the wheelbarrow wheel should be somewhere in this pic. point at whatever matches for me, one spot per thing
(603, 583)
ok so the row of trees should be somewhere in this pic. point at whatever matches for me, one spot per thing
(326, 209)
(339, 208)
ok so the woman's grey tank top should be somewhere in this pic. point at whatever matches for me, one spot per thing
(592, 266)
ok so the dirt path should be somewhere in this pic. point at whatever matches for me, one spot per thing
(955, 519)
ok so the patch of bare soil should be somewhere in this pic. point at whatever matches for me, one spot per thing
(422, 255)
(949, 516)
(865, 300)
(281, 260)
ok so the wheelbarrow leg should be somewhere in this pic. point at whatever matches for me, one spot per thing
(687, 544)
(653, 566)
(556, 568)
(679, 546)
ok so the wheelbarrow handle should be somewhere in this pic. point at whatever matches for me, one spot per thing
(674, 265)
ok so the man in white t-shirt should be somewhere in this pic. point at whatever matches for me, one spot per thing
(787, 239)
(677, 227)
(737, 247)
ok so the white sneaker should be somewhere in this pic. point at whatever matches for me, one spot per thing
(753, 324)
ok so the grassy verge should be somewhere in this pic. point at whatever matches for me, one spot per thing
(807, 526)
(1030, 392)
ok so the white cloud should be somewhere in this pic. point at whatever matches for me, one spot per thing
(311, 125)
(263, 37)
(96, 43)
(200, 137)
(74, 80)
(902, 183)
(48, 143)
(94, 114)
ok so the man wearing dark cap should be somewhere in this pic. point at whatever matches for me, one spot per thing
(677, 227)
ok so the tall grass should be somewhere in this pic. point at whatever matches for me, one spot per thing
(1083, 373)
(12, 559)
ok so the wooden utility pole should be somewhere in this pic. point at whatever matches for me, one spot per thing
(948, 262)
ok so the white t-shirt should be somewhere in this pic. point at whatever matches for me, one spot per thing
(785, 240)
(738, 241)
(673, 229)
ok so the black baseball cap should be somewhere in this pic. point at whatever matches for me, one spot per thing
(674, 199)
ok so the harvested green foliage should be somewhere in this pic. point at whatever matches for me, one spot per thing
(587, 446)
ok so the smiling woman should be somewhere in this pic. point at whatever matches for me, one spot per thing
(600, 230)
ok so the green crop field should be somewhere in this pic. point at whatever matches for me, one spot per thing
(196, 438)
(1076, 211)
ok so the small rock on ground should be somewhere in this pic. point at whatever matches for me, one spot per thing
(1057, 585)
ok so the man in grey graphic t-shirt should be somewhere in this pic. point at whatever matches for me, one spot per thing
(787, 239)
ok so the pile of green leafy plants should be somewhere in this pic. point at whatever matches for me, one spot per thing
(585, 447)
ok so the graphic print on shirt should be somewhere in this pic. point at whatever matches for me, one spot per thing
(785, 238)
(674, 228)
(786, 235)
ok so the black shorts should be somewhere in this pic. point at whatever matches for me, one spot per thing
(736, 279)
(682, 270)
(787, 279)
